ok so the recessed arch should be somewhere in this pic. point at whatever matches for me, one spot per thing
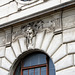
(28, 53)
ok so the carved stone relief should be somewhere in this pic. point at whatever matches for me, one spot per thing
(30, 30)
(28, 34)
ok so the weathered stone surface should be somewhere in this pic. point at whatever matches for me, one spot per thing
(34, 41)
(69, 22)
(8, 36)
(63, 1)
(64, 63)
(2, 38)
(57, 24)
(0, 61)
(74, 59)
(34, 9)
(30, 5)
(6, 64)
(55, 43)
(13, 7)
(69, 35)
(2, 50)
(16, 28)
(8, 9)
(4, 10)
(68, 71)
(9, 54)
(2, 2)
(22, 42)
(68, 12)
(71, 47)
(3, 20)
(3, 72)
(39, 39)
(61, 52)
(46, 41)
(16, 48)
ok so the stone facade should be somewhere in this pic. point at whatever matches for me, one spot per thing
(53, 35)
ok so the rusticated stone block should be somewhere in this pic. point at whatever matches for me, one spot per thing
(69, 35)
(39, 39)
(6, 64)
(3, 72)
(2, 2)
(61, 52)
(46, 40)
(2, 51)
(8, 9)
(9, 54)
(64, 63)
(55, 43)
(16, 48)
(69, 22)
(68, 71)
(71, 47)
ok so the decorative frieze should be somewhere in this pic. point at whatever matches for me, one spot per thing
(30, 30)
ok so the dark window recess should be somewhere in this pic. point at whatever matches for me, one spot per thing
(35, 64)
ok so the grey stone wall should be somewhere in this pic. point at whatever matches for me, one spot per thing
(54, 35)
(14, 9)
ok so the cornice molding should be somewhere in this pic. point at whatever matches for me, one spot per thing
(60, 7)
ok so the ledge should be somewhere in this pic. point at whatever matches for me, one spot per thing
(63, 6)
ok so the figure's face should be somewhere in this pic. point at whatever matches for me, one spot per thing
(29, 29)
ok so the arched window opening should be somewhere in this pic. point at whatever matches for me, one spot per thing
(35, 64)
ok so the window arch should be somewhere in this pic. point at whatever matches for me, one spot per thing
(36, 63)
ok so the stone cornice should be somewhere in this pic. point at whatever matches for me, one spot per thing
(50, 10)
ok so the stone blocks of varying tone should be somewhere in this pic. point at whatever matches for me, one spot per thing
(4, 20)
(2, 38)
(64, 63)
(2, 2)
(63, 1)
(69, 35)
(16, 48)
(5, 64)
(2, 51)
(0, 61)
(55, 43)
(68, 71)
(74, 59)
(22, 42)
(68, 18)
(8, 9)
(3, 72)
(39, 40)
(71, 47)
(69, 22)
(61, 52)
(46, 41)
(9, 54)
